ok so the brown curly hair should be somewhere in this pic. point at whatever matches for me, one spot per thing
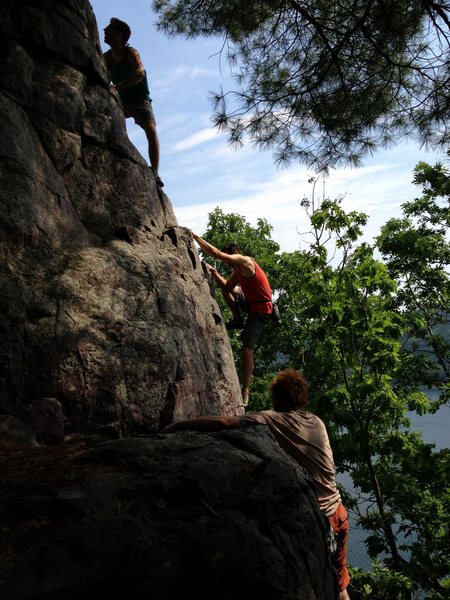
(289, 391)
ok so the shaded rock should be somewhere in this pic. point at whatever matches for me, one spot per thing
(196, 516)
(45, 417)
(16, 430)
(104, 304)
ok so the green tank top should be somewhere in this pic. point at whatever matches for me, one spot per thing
(122, 70)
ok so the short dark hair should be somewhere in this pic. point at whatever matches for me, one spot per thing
(122, 27)
(231, 248)
(289, 391)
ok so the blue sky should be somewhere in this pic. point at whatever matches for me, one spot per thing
(199, 169)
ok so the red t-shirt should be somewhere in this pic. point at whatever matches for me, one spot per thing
(256, 290)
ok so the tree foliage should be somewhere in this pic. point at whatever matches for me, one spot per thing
(352, 323)
(326, 82)
(416, 250)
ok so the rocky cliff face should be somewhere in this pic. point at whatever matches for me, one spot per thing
(221, 516)
(106, 317)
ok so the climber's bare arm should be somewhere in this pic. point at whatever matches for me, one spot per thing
(203, 424)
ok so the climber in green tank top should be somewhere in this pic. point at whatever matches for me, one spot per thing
(130, 81)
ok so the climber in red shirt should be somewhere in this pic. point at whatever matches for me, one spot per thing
(248, 289)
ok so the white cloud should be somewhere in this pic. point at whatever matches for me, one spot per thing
(184, 74)
(378, 190)
(172, 121)
(195, 139)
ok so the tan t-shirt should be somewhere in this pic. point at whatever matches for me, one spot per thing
(304, 437)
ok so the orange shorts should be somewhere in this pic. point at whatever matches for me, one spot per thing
(339, 523)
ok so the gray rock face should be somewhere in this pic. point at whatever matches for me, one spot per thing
(104, 304)
(222, 516)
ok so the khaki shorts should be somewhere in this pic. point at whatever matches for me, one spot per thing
(253, 329)
(142, 112)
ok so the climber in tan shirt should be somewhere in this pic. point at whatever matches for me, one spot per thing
(304, 437)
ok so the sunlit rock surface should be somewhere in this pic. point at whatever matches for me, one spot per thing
(104, 305)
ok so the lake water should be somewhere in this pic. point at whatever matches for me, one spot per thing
(435, 429)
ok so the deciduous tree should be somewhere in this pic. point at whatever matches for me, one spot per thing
(347, 321)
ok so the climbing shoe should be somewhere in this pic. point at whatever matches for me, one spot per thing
(158, 180)
(236, 323)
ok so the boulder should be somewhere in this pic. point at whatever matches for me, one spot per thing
(16, 430)
(225, 515)
(45, 417)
